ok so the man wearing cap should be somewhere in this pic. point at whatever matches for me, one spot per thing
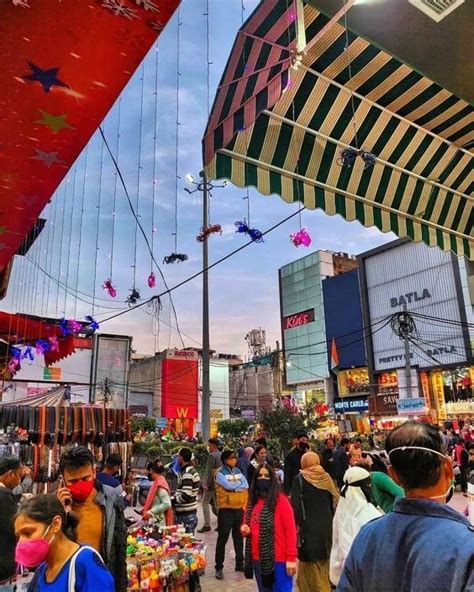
(424, 544)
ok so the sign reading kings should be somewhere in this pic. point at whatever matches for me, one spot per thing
(299, 319)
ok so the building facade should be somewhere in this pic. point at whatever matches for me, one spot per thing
(305, 343)
(434, 286)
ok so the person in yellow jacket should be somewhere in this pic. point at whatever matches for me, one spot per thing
(231, 495)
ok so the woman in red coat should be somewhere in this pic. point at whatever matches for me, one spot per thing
(269, 524)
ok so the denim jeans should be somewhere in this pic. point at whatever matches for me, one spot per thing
(188, 520)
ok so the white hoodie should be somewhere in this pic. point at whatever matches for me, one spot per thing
(353, 511)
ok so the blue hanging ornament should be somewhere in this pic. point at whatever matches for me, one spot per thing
(93, 324)
(16, 352)
(28, 354)
(65, 327)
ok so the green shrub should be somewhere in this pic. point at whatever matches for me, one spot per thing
(200, 454)
(155, 451)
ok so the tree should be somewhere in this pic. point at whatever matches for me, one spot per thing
(282, 423)
(233, 429)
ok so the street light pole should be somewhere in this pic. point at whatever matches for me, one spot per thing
(206, 392)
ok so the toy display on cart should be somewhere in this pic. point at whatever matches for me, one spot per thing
(164, 560)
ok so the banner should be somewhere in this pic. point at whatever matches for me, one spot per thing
(437, 383)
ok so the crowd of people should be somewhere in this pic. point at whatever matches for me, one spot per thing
(339, 517)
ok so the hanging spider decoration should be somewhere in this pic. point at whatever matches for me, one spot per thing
(53, 343)
(206, 232)
(301, 238)
(108, 287)
(134, 297)
(243, 228)
(42, 347)
(175, 258)
(151, 280)
(349, 155)
(93, 324)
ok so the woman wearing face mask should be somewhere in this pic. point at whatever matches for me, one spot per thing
(158, 501)
(260, 457)
(44, 541)
(269, 524)
(353, 511)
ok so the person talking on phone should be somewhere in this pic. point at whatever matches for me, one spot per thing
(99, 508)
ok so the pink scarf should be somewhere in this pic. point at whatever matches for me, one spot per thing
(163, 483)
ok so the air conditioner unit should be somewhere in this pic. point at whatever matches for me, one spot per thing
(436, 9)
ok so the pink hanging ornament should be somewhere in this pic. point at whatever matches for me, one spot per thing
(13, 365)
(301, 238)
(107, 285)
(151, 280)
(54, 343)
(75, 326)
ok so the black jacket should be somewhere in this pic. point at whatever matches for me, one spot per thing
(341, 463)
(327, 458)
(8, 509)
(314, 512)
(292, 468)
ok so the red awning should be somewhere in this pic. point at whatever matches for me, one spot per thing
(63, 66)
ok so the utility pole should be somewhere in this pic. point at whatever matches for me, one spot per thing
(206, 390)
(405, 328)
(204, 186)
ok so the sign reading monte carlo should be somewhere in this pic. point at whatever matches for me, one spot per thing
(426, 281)
(299, 319)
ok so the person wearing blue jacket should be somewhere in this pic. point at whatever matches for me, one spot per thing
(424, 544)
(231, 493)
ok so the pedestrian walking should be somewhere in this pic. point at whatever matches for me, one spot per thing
(353, 511)
(158, 501)
(260, 458)
(243, 460)
(424, 544)
(232, 494)
(44, 533)
(384, 489)
(187, 491)
(213, 463)
(327, 456)
(11, 471)
(461, 456)
(341, 461)
(293, 461)
(314, 497)
(270, 550)
(99, 508)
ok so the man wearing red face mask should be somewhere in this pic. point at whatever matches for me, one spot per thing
(99, 509)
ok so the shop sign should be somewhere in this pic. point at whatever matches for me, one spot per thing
(388, 382)
(182, 354)
(353, 382)
(82, 342)
(249, 413)
(460, 407)
(161, 422)
(438, 391)
(138, 410)
(403, 386)
(51, 373)
(409, 298)
(217, 414)
(383, 404)
(299, 319)
(425, 388)
(355, 405)
(415, 406)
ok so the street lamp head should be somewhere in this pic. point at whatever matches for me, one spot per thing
(189, 178)
(225, 183)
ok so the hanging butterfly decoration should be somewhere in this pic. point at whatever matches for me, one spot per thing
(255, 234)
(28, 354)
(151, 280)
(205, 233)
(301, 238)
(134, 297)
(349, 155)
(42, 347)
(175, 258)
(53, 343)
(109, 288)
(93, 324)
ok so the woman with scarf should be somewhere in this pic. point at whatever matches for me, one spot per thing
(270, 550)
(314, 498)
(353, 511)
(158, 501)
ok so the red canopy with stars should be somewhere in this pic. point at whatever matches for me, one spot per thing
(64, 63)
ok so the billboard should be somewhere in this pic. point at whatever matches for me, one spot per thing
(111, 362)
(179, 387)
(426, 281)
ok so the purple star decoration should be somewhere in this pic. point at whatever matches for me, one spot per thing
(47, 78)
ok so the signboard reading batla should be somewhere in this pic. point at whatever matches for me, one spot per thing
(426, 280)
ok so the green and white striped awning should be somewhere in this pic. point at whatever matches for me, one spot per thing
(282, 117)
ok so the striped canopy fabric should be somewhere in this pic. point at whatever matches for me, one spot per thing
(282, 118)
